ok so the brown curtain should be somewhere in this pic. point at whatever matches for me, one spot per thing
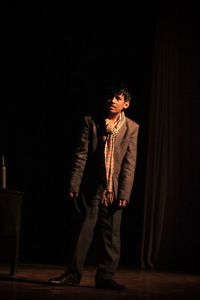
(166, 238)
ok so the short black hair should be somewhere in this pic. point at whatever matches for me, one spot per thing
(119, 89)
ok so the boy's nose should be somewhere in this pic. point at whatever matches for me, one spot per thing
(113, 100)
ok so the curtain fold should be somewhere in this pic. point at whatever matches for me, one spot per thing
(162, 173)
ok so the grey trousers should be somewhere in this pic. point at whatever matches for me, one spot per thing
(109, 222)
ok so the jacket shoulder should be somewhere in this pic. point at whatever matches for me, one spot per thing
(132, 124)
(85, 120)
(88, 119)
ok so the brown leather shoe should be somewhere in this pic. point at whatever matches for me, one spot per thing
(67, 278)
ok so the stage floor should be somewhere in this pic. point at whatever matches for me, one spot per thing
(31, 282)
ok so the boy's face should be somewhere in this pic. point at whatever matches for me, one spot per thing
(116, 104)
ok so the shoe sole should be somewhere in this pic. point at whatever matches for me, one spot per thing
(64, 284)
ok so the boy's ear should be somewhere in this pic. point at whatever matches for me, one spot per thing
(126, 104)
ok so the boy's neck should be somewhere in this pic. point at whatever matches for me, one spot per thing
(113, 117)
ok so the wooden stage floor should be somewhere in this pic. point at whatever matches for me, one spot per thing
(31, 282)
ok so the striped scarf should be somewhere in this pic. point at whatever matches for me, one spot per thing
(111, 132)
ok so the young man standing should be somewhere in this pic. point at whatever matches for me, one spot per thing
(103, 173)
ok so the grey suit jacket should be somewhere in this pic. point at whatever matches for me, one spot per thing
(89, 154)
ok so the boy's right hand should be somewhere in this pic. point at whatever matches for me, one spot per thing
(72, 195)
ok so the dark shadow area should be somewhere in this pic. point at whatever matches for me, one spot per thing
(54, 70)
(55, 63)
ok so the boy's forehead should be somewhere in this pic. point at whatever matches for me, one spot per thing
(119, 94)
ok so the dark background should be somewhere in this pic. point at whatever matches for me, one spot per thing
(55, 61)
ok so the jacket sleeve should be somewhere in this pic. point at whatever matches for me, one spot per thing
(80, 158)
(127, 172)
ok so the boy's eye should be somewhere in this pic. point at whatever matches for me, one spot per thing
(118, 98)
